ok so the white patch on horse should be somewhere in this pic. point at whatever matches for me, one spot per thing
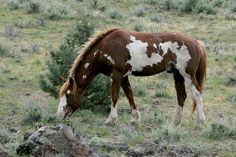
(86, 65)
(197, 95)
(61, 106)
(128, 73)
(198, 99)
(68, 91)
(182, 54)
(84, 76)
(109, 58)
(139, 58)
(154, 45)
(95, 53)
(112, 116)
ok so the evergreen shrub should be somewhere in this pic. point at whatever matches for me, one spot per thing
(97, 94)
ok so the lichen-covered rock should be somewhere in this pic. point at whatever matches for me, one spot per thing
(49, 141)
(4, 136)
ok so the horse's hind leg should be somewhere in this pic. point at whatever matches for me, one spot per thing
(181, 96)
(197, 95)
(129, 94)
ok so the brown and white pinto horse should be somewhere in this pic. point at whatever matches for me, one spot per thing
(118, 53)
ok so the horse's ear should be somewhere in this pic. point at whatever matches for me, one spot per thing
(71, 81)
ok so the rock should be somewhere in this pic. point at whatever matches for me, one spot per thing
(144, 149)
(49, 141)
(82, 151)
(4, 136)
(116, 146)
(3, 153)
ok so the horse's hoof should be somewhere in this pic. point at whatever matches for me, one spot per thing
(135, 116)
(111, 121)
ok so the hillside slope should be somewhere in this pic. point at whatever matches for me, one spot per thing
(27, 35)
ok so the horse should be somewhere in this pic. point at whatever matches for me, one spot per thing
(118, 53)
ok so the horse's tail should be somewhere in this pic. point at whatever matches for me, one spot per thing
(202, 69)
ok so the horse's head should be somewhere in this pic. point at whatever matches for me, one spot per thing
(70, 98)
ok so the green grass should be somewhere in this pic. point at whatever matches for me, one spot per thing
(155, 96)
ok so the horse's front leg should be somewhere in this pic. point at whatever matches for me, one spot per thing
(181, 96)
(129, 94)
(116, 82)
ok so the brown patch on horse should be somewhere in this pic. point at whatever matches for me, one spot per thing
(87, 46)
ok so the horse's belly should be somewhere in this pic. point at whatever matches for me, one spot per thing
(149, 70)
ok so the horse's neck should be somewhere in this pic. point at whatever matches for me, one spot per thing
(86, 72)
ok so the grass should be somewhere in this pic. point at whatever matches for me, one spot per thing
(21, 97)
(219, 131)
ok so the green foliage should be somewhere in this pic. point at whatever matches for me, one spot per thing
(168, 133)
(33, 113)
(55, 11)
(151, 2)
(188, 5)
(201, 7)
(13, 4)
(232, 98)
(231, 79)
(218, 3)
(138, 27)
(139, 90)
(170, 4)
(40, 21)
(3, 50)
(131, 137)
(220, 131)
(156, 19)
(97, 142)
(98, 92)
(97, 95)
(115, 15)
(32, 6)
(234, 7)
(62, 58)
(139, 11)
(12, 32)
(197, 6)
(162, 94)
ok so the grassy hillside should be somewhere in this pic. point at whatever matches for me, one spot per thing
(27, 35)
